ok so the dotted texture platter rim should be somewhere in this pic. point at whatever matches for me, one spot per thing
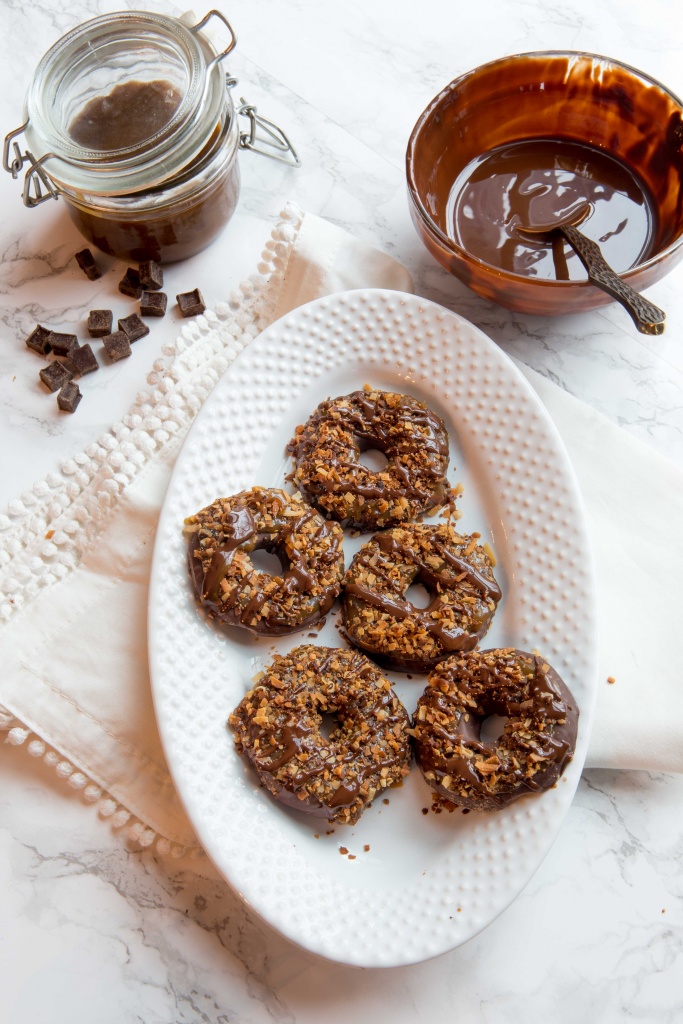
(417, 884)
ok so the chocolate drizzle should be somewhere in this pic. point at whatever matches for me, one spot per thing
(455, 571)
(537, 743)
(277, 725)
(465, 569)
(328, 448)
(451, 639)
(309, 548)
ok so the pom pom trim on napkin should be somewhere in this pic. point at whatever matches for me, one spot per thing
(121, 819)
(46, 531)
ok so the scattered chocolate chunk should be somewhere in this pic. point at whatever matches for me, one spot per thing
(133, 327)
(130, 283)
(153, 303)
(69, 397)
(38, 340)
(151, 276)
(86, 262)
(55, 376)
(100, 322)
(116, 345)
(83, 360)
(62, 344)
(191, 303)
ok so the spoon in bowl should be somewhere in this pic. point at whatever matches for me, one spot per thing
(647, 317)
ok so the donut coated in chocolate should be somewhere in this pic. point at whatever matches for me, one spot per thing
(220, 540)
(277, 727)
(455, 570)
(537, 743)
(331, 477)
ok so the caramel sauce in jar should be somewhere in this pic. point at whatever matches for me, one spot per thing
(131, 113)
(169, 222)
(167, 232)
(131, 118)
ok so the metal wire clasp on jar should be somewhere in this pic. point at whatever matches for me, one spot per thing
(130, 119)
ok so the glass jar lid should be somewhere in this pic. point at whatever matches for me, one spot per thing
(125, 101)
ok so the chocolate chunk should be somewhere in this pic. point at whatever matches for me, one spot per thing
(69, 397)
(151, 275)
(62, 344)
(82, 360)
(153, 303)
(54, 376)
(38, 340)
(191, 303)
(117, 345)
(100, 322)
(130, 283)
(86, 262)
(133, 327)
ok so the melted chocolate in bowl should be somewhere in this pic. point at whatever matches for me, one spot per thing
(542, 181)
(536, 134)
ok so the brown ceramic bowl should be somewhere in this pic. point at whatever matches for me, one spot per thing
(575, 97)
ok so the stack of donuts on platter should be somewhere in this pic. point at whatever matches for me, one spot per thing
(277, 725)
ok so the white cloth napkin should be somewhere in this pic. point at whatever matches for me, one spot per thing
(76, 554)
(634, 505)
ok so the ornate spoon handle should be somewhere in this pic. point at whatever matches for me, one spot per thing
(647, 317)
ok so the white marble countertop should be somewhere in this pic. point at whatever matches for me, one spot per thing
(92, 930)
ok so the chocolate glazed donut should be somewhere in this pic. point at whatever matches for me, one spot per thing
(277, 727)
(331, 477)
(536, 745)
(455, 570)
(220, 539)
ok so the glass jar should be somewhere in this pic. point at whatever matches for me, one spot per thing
(130, 120)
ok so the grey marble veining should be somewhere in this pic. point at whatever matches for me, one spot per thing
(596, 934)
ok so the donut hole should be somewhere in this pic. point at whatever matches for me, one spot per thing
(372, 459)
(328, 723)
(268, 563)
(419, 596)
(492, 728)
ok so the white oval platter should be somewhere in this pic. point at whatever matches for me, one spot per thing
(412, 884)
